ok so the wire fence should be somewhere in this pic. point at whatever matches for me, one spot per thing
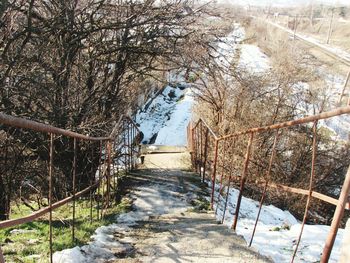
(104, 160)
(222, 161)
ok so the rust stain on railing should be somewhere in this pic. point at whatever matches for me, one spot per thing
(197, 130)
(128, 128)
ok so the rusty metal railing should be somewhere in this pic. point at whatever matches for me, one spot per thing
(121, 147)
(205, 145)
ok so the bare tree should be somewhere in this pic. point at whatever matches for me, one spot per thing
(80, 65)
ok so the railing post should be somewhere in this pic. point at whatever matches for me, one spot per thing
(268, 173)
(205, 154)
(117, 181)
(113, 170)
(197, 147)
(100, 180)
(74, 182)
(129, 146)
(91, 180)
(50, 193)
(125, 146)
(338, 215)
(222, 175)
(193, 151)
(311, 184)
(344, 87)
(229, 180)
(108, 172)
(188, 133)
(2, 259)
(102, 183)
(214, 174)
(132, 146)
(198, 140)
(243, 179)
(200, 148)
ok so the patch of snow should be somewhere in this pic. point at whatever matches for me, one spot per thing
(152, 148)
(252, 59)
(103, 247)
(150, 200)
(277, 225)
(72, 255)
(174, 130)
(22, 231)
(167, 117)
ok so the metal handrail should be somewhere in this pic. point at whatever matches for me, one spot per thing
(312, 118)
(41, 127)
(130, 133)
(341, 203)
(22, 123)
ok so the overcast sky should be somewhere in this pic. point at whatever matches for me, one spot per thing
(285, 2)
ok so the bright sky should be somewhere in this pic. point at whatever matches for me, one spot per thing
(284, 2)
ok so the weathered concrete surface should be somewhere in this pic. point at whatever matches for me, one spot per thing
(181, 233)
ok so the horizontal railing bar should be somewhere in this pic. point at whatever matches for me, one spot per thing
(196, 125)
(43, 211)
(40, 127)
(114, 132)
(317, 195)
(132, 122)
(210, 130)
(321, 116)
(207, 126)
(314, 194)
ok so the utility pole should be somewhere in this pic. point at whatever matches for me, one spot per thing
(344, 87)
(311, 12)
(295, 26)
(330, 29)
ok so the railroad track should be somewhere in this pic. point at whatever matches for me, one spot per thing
(326, 51)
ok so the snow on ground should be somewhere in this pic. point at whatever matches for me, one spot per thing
(227, 46)
(167, 116)
(339, 125)
(102, 247)
(250, 58)
(277, 230)
(163, 119)
(150, 200)
(174, 130)
(253, 60)
(335, 50)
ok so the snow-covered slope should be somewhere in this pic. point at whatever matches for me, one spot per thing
(277, 230)
(252, 59)
(163, 120)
